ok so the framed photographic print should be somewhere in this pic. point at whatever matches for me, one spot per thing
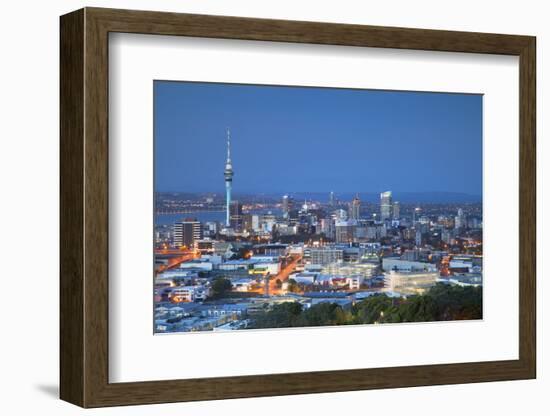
(256, 207)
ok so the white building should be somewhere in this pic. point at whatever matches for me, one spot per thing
(190, 293)
(306, 278)
(197, 264)
(267, 268)
(243, 285)
(176, 274)
(410, 282)
(355, 281)
(325, 255)
(256, 223)
(395, 263)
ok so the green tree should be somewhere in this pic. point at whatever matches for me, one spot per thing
(282, 315)
(322, 314)
(418, 309)
(220, 286)
(441, 303)
(375, 308)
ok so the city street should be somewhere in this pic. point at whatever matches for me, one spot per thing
(283, 275)
(180, 256)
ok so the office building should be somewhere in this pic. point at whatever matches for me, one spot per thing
(410, 283)
(416, 214)
(345, 231)
(287, 206)
(355, 208)
(236, 216)
(385, 205)
(460, 219)
(187, 232)
(256, 223)
(326, 255)
(396, 263)
(396, 210)
(418, 238)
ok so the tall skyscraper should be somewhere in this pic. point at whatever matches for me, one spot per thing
(331, 199)
(287, 205)
(416, 214)
(460, 219)
(354, 208)
(187, 232)
(236, 215)
(385, 205)
(228, 174)
(418, 238)
(396, 210)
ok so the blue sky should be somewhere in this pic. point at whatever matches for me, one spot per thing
(294, 139)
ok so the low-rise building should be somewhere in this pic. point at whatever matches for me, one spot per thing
(410, 282)
(395, 263)
(243, 284)
(306, 278)
(198, 264)
(326, 255)
(355, 282)
(205, 246)
(189, 293)
(467, 279)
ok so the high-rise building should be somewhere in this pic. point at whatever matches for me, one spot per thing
(416, 214)
(396, 210)
(345, 231)
(236, 215)
(418, 238)
(228, 175)
(268, 221)
(256, 223)
(331, 199)
(326, 226)
(187, 232)
(385, 205)
(446, 236)
(460, 219)
(247, 222)
(287, 205)
(340, 215)
(354, 208)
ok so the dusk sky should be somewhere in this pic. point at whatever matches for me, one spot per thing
(293, 139)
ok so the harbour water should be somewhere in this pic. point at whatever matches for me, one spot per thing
(202, 216)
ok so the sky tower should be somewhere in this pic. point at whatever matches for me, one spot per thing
(228, 174)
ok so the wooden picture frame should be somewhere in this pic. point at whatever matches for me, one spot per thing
(84, 207)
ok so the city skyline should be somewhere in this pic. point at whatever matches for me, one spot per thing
(263, 167)
(290, 238)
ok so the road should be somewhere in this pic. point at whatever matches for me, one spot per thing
(283, 275)
(180, 256)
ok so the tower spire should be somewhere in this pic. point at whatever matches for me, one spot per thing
(228, 175)
(228, 145)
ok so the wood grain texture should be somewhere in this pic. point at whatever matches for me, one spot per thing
(84, 207)
(71, 100)
(527, 208)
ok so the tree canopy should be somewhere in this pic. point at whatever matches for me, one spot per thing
(441, 303)
(220, 287)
